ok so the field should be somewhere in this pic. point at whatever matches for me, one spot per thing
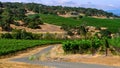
(112, 24)
(8, 46)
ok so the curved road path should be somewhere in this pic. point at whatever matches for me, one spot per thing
(58, 64)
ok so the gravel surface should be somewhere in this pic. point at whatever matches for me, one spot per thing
(57, 64)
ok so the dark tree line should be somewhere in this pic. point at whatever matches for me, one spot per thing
(11, 12)
(39, 8)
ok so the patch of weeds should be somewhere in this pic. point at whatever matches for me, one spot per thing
(32, 57)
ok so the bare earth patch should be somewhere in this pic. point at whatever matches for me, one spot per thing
(57, 54)
(45, 28)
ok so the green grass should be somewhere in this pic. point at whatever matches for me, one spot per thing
(112, 24)
(11, 45)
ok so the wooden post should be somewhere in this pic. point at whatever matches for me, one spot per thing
(107, 47)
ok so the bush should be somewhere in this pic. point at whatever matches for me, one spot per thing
(33, 25)
(49, 36)
(16, 23)
(6, 35)
(21, 34)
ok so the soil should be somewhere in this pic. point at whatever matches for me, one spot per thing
(5, 64)
(57, 54)
(45, 28)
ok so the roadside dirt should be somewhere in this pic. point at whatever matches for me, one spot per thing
(7, 64)
(57, 54)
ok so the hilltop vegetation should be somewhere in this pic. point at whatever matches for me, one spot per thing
(10, 13)
(44, 9)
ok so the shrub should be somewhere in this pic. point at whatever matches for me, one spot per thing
(106, 33)
(49, 36)
(21, 34)
(6, 35)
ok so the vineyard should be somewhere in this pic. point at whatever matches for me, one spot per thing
(8, 46)
(111, 24)
(92, 46)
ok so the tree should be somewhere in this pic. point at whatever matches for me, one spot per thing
(33, 21)
(5, 26)
(19, 13)
(82, 31)
(106, 33)
(1, 5)
(107, 46)
(6, 19)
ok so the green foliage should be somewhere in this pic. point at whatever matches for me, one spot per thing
(105, 33)
(111, 24)
(32, 21)
(70, 33)
(1, 5)
(32, 57)
(16, 23)
(6, 19)
(8, 46)
(114, 45)
(19, 14)
(115, 42)
(44, 9)
(5, 26)
(49, 36)
(6, 35)
(21, 34)
(17, 11)
(96, 43)
(81, 46)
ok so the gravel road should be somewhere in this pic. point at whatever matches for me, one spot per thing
(57, 64)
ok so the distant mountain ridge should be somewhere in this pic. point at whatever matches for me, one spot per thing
(115, 11)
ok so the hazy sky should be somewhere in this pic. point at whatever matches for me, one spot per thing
(100, 4)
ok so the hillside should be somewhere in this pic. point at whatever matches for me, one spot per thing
(44, 9)
(40, 14)
(111, 24)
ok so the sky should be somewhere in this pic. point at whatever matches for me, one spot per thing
(99, 4)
